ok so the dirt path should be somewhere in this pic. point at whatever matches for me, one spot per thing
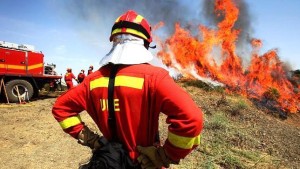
(31, 138)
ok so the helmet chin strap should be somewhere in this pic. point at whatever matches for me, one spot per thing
(152, 47)
(147, 45)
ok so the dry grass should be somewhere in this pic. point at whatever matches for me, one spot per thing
(236, 135)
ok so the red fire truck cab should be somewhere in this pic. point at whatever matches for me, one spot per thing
(23, 71)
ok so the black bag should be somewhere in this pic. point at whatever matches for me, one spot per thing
(110, 156)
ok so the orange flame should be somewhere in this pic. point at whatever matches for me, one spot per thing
(183, 51)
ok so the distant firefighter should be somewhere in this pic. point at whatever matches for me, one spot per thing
(81, 76)
(90, 70)
(69, 76)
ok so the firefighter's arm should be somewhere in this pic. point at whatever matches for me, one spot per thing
(184, 117)
(67, 108)
(66, 111)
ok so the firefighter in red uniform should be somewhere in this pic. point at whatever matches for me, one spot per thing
(141, 93)
(69, 76)
(81, 76)
(90, 71)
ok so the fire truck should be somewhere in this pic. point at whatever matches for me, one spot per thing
(23, 72)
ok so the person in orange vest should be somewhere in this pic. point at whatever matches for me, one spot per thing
(81, 76)
(125, 98)
(90, 71)
(69, 76)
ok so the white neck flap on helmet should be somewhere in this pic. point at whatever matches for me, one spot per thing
(127, 49)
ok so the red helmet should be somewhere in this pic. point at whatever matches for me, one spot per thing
(132, 23)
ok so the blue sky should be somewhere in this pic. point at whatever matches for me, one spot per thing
(79, 38)
(277, 23)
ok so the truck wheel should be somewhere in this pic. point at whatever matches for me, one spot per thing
(24, 87)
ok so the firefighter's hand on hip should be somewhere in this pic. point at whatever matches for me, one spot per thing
(88, 138)
(152, 157)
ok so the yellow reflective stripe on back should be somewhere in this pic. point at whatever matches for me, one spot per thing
(183, 142)
(129, 30)
(123, 81)
(128, 81)
(70, 122)
(101, 82)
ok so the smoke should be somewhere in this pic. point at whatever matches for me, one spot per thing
(244, 20)
(243, 24)
(96, 17)
(103, 13)
(208, 11)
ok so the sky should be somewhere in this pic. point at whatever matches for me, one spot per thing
(76, 34)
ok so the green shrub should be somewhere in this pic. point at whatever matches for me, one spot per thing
(271, 94)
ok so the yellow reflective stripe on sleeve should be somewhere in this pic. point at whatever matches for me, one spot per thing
(183, 142)
(129, 30)
(70, 122)
(123, 81)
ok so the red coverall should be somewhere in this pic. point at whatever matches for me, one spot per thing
(141, 93)
(68, 79)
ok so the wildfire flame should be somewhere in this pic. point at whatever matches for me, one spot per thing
(194, 56)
